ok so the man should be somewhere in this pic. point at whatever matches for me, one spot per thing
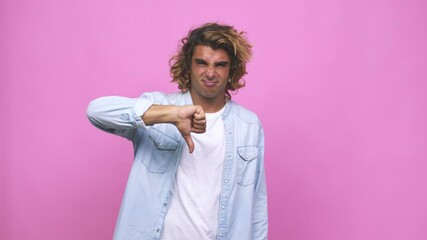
(198, 171)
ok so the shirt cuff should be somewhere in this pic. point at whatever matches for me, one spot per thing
(141, 106)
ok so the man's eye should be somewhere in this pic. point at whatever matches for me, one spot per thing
(222, 64)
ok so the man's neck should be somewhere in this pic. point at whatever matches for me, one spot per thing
(209, 106)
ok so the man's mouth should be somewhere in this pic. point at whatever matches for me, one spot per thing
(209, 83)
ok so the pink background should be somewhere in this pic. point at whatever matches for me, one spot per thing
(341, 88)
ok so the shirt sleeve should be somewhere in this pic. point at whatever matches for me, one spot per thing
(260, 210)
(119, 115)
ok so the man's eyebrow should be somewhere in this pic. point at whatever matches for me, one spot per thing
(219, 63)
(199, 60)
(222, 63)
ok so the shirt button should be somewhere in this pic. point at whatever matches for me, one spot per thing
(220, 234)
(222, 206)
(165, 204)
(158, 230)
(226, 181)
(229, 131)
(160, 144)
(229, 155)
(247, 157)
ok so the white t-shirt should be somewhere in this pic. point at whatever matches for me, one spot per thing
(193, 209)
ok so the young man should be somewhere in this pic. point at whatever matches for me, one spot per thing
(198, 171)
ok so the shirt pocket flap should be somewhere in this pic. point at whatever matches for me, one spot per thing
(248, 153)
(162, 141)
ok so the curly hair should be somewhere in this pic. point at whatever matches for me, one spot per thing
(215, 36)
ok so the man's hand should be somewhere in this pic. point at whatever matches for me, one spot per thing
(187, 119)
(191, 119)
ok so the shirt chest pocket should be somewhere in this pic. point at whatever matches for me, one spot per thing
(159, 151)
(247, 165)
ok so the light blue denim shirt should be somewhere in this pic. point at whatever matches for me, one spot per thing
(157, 149)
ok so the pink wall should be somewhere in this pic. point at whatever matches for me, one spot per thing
(341, 87)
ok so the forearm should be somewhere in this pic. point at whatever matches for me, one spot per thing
(122, 116)
(160, 114)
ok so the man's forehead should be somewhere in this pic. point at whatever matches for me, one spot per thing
(207, 53)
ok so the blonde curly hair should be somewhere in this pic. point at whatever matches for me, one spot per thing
(215, 36)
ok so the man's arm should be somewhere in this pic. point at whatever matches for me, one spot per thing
(122, 116)
(117, 115)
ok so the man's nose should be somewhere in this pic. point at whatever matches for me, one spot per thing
(210, 72)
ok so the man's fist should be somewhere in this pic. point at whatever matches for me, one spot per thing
(191, 119)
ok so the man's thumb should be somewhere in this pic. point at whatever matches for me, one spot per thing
(189, 142)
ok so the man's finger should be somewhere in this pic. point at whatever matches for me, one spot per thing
(197, 130)
(189, 142)
(199, 116)
(199, 121)
(199, 125)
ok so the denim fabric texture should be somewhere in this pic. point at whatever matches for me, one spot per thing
(157, 149)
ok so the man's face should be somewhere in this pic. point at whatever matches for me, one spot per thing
(209, 74)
